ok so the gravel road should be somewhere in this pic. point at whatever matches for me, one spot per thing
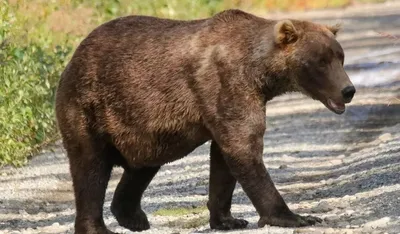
(344, 169)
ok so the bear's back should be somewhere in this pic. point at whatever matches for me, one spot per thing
(141, 70)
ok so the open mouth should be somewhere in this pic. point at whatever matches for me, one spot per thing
(335, 107)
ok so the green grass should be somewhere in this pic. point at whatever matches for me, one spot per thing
(37, 38)
(183, 213)
(189, 223)
(29, 71)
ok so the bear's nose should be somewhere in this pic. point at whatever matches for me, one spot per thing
(348, 93)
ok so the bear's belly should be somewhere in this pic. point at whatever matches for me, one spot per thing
(156, 149)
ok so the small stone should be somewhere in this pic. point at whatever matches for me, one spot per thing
(323, 181)
(27, 231)
(349, 198)
(4, 174)
(342, 204)
(187, 168)
(283, 166)
(200, 191)
(323, 223)
(331, 219)
(335, 162)
(308, 195)
(343, 224)
(49, 208)
(378, 232)
(308, 230)
(385, 137)
(349, 212)
(330, 181)
(41, 213)
(329, 231)
(375, 142)
(168, 172)
(36, 206)
(349, 231)
(54, 228)
(323, 206)
(23, 212)
(56, 224)
(379, 223)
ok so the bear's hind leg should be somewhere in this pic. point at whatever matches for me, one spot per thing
(90, 172)
(128, 194)
(222, 184)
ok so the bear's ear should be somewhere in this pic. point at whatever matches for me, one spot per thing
(285, 32)
(334, 28)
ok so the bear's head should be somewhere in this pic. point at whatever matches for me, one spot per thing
(315, 60)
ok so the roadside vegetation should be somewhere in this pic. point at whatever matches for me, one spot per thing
(37, 38)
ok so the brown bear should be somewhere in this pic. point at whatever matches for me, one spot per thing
(140, 92)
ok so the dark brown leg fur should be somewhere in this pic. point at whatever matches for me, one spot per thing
(258, 185)
(222, 184)
(90, 174)
(240, 140)
(126, 202)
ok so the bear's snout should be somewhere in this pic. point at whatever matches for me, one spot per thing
(348, 93)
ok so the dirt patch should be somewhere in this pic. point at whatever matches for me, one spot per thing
(71, 21)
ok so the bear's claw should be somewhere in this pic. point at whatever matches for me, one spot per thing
(293, 220)
(136, 221)
(229, 224)
(311, 220)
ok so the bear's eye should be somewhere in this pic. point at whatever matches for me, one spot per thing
(323, 62)
(341, 57)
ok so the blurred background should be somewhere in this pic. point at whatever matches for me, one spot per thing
(344, 168)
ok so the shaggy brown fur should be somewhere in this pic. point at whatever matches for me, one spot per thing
(142, 91)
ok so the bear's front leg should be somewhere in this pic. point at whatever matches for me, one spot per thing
(241, 143)
(222, 184)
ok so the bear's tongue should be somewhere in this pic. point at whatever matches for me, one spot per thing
(339, 107)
